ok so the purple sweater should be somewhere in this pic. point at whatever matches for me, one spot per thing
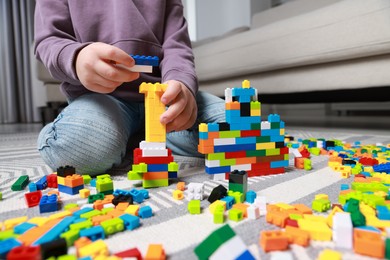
(144, 27)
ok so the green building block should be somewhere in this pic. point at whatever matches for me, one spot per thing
(106, 210)
(70, 206)
(255, 126)
(255, 105)
(104, 184)
(135, 176)
(91, 214)
(7, 234)
(263, 139)
(20, 183)
(274, 151)
(238, 196)
(219, 217)
(255, 153)
(358, 219)
(387, 248)
(315, 150)
(1, 195)
(112, 226)
(155, 183)
(208, 246)
(87, 179)
(94, 197)
(194, 207)
(236, 215)
(81, 225)
(70, 236)
(173, 167)
(67, 257)
(307, 164)
(215, 156)
(142, 167)
(321, 205)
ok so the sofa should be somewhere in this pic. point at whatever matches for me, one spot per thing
(306, 48)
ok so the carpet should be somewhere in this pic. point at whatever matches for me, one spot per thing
(172, 226)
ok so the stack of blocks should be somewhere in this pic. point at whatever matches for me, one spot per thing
(153, 162)
(68, 181)
(244, 142)
(104, 184)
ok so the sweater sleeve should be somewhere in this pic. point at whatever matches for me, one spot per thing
(55, 41)
(178, 61)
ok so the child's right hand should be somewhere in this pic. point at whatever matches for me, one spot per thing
(96, 67)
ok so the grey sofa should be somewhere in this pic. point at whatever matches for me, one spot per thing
(303, 46)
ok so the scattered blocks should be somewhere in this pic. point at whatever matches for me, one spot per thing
(20, 183)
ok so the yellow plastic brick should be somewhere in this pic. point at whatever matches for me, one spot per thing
(95, 249)
(39, 221)
(11, 223)
(328, 254)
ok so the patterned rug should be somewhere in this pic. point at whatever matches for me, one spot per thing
(172, 226)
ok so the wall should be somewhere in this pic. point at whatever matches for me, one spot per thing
(212, 18)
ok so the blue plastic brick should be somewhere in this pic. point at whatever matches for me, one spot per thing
(81, 211)
(220, 169)
(383, 212)
(86, 258)
(121, 192)
(137, 196)
(42, 183)
(93, 183)
(229, 201)
(23, 227)
(7, 245)
(55, 232)
(344, 187)
(213, 127)
(203, 135)
(272, 118)
(270, 132)
(145, 212)
(145, 60)
(93, 233)
(277, 138)
(384, 167)
(246, 140)
(48, 203)
(279, 164)
(240, 126)
(131, 222)
(70, 190)
(172, 175)
(234, 148)
(246, 255)
(250, 196)
(32, 187)
(144, 193)
(157, 167)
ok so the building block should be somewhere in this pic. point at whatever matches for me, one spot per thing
(368, 243)
(195, 191)
(328, 254)
(32, 199)
(94, 249)
(274, 240)
(130, 221)
(7, 245)
(84, 193)
(20, 183)
(236, 214)
(25, 253)
(48, 203)
(112, 226)
(42, 183)
(145, 60)
(55, 231)
(297, 236)
(130, 253)
(23, 227)
(229, 201)
(32, 187)
(250, 196)
(155, 252)
(145, 212)
(52, 180)
(54, 248)
(178, 194)
(93, 233)
(217, 193)
(194, 207)
(253, 212)
(64, 171)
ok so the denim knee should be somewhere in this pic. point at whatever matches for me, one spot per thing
(91, 141)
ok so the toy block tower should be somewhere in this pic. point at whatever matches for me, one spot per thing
(243, 142)
(68, 181)
(153, 162)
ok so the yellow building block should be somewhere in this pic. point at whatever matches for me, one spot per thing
(316, 218)
(155, 252)
(284, 206)
(328, 254)
(84, 193)
(61, 214)
(11, 223)
(366, 210)
(321, 196)
(374, 221)
(282, 131)
(329, 219)
(264, 146)
(246, 84)
(178, 194)
(318, 230)
(39, 221)
(132, 210)
(203, 127)
(95, 249)
(60, 180)
(214, 205)
(154, 108)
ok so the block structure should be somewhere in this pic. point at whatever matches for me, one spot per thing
(244, 142)
(153, 162)
(68, 181)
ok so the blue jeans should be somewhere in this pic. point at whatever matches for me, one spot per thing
(97, 132)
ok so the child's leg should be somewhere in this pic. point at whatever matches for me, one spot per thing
(211, 109)
(90, 134)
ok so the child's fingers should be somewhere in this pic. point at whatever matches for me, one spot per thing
(114, 73)
(112, 53)
(173, 90)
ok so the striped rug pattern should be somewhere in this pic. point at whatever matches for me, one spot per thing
(172, 225)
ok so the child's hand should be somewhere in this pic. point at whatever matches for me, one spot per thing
(96, 69)
(182, 111)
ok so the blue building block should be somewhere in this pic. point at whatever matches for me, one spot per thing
(145, 60)
(246, 255)
(7, 245)
(203, 135)
(250, 196)
(234, 148)
(246, 140)
(277, 138)
(70, 190)
(229, 201)
(32, 187)
(55, 232)
(48, 203)
(383, 167)
(42, 183)
(93, 183)
(344, 187)
(383, 212)
(213, 127)
(131, 222)
(172, 175)
(157, 167)
(240, 126)
(23, 227)
(121, 192)
(272, 118)
(145, 212)
(270, 132)
(220, 169)
(137, 195)
(145, 193)
(93, 233)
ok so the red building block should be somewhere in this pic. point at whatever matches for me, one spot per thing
(32, 198)
(52, 181)
(25, 253)
(134, 252)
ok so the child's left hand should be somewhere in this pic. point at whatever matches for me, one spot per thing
(182, 111)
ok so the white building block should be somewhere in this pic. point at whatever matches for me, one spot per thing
(265, 125)
(228, 95)
(195, 191)
(343, 230)
(253, 212)
(152, 145)
(219, 177)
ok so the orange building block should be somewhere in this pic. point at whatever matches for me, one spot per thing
(96, 220)
(155, 252)
(297, 236)
(303, 208)
(155, 175)
(181, 185)
(74, 180)
(368, 243)
(241, 206)
(277, 218)
(273, 240)
(33, 234)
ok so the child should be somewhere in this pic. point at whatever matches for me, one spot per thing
(81, 43)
